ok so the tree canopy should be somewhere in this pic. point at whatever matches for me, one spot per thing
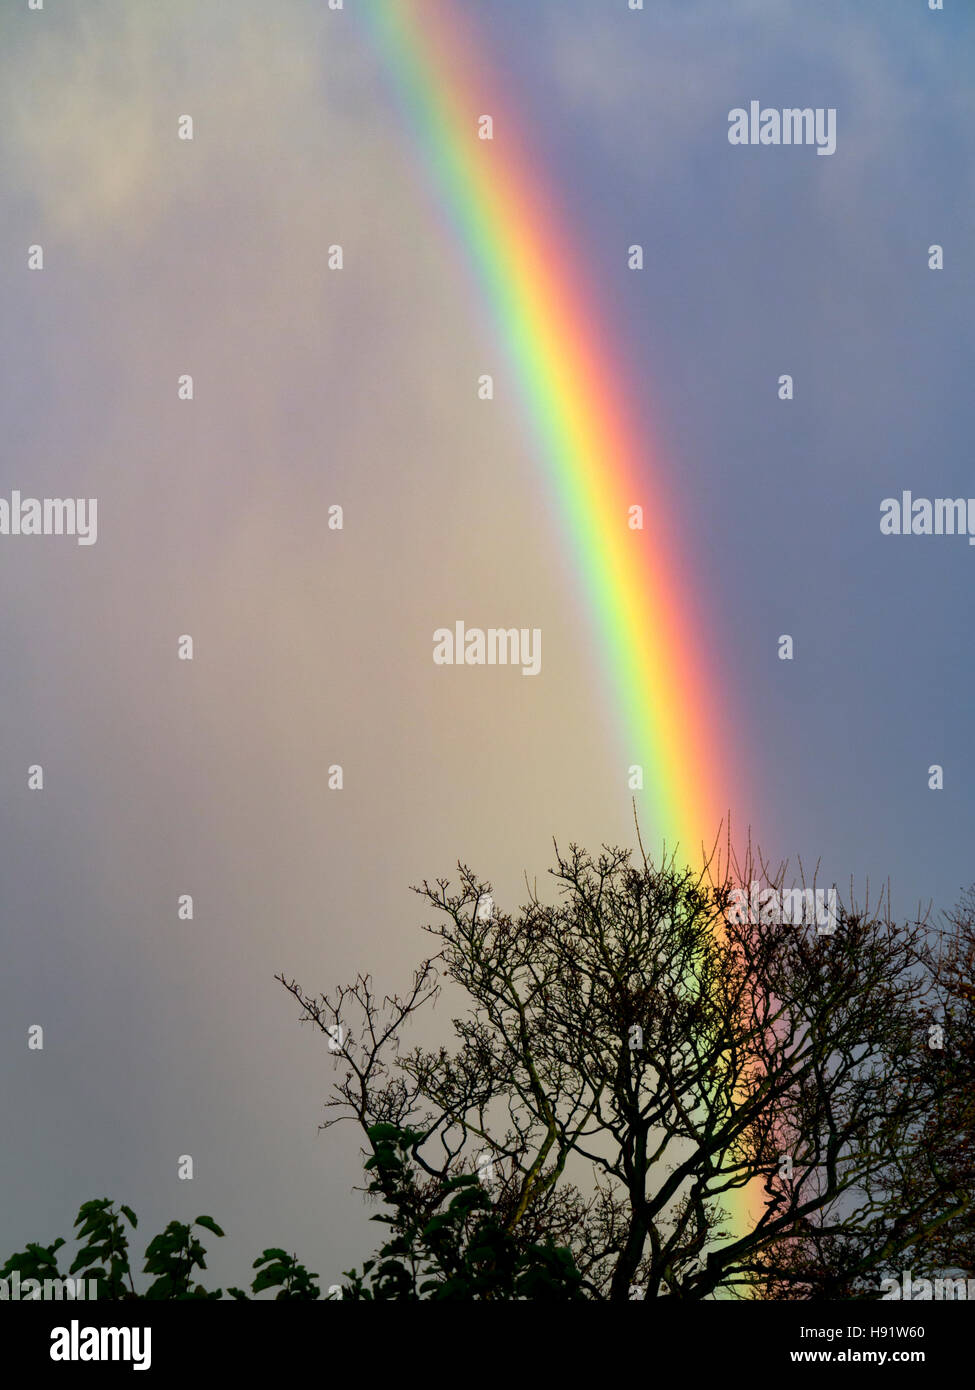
(687, 1103)
(647, 1092)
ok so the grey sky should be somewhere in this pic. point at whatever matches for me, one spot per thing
(164, 1037)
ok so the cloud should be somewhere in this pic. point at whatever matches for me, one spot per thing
(91, 98)
(657, 84)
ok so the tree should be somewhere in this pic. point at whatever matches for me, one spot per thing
(446, 1241)
(636, 1064)
(945, 1161)
(922, 1220)
(173, 1257)
(650, 1092)
(951, 1133)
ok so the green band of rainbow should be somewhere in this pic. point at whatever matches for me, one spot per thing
(598, 463)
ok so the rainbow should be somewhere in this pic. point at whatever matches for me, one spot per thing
(636, 587)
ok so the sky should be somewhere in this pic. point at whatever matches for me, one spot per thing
(313, 647)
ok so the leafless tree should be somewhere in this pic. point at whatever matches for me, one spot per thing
(695, 1104)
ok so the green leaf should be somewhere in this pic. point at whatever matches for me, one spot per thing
(160, 1289)
(86, 1257)
(88, 1209)
(437, 1224)
(210, 1224)
(272, 1254)
(270, 1278)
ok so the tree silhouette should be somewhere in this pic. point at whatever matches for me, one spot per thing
(648, 1094)
(174, 1258)
(690, 1104)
